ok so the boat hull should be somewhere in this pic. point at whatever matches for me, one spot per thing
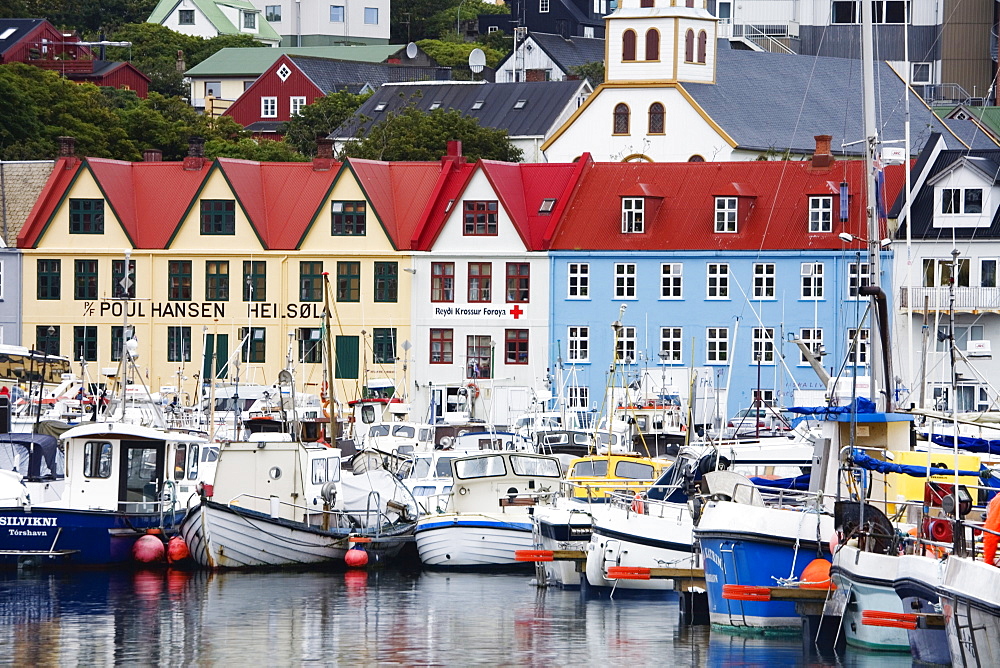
(753, 545)
(917, 581)
(970, 594)
(566, 525)
(468, 540)
(57, 536)
(868, 578)
(221, 536)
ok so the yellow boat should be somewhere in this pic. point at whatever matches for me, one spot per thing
(595, 477)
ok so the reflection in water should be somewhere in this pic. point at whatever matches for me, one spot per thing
(358, 618)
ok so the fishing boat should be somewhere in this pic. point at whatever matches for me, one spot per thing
(488, 515)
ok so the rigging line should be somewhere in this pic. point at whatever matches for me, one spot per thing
(774, 351)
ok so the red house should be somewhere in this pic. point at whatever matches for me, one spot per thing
(294, 81)
(37, 42)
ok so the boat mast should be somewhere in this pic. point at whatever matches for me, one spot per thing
(327, 349)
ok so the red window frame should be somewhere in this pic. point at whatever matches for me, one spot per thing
(441, 273)
(516, 346)
(518, 284)
(480, 218)
(444, 339)
(483, 291)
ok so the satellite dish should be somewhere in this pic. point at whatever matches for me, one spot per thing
(477, 60)
(411, 50)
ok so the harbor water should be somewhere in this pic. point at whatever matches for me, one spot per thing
(358, 618)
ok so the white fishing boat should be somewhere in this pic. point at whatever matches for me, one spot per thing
(488, 516)
(279, 502)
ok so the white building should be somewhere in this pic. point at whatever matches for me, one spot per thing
(313, 23)
(211, 18)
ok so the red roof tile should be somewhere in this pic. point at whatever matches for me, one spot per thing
(280, 198)
(454, 176)
(62, 175)
(684, 219)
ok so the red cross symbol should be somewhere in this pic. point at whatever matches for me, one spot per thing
(516, 312)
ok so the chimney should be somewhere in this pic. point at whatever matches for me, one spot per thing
(324, 154)
(195, 159)
(534, 75)
(822, 157)
(454, 153)
(152, 155)
(67, 147)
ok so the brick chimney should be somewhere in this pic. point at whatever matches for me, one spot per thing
(822, 157)
(152, 155)
(67, 151)
(534, 75)
(324, 154)
(195, 159)
(454, 155)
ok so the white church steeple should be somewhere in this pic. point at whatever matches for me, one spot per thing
(660, 40)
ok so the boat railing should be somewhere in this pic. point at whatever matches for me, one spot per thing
(645, 505)
(602, 488)
(273, 506)
(762, 495)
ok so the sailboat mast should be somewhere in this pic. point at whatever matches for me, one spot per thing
(327, 349)
(878, 339)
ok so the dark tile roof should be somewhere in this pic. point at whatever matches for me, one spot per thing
(21, 27)
(544, 101)
(334, 75)
(570, 52)
(922, 209)
(266, 126)
(767, 100)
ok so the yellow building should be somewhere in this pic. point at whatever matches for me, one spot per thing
(218, 267)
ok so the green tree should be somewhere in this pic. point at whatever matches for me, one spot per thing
(592, 72)
(321, 117)
(442, 25)
(247, 148)
(456, 54)
(163, 54)
(84, 15)
(409, 19)
(410, 134)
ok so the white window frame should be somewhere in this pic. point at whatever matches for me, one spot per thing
(633, 209)
(543, 6)
(982, 272)
(961, 203)
(343, 13)
(963, 334)
(716, 345)
(763, 345)
(578, 280)
(295, 104)
(578, 396)
(578, 344)
(764, 280)
(369, 13)
(625, 346)
(726, 209)
(671, 343)
(860, 354)
(811, 274)
(812, 337)
(717, 281)
(920, 67)
(269, 107)
(251, 18)
(858, 276)
(820, 213)
(671, 280)
(625, 280)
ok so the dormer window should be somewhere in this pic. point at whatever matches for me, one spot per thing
(478, 104)
(632, 215)
(547, 205)
(725, 214)
(520, 104)
(961, 201)
(436, 104)
(820, 214)
(380, 107)
(250, 20)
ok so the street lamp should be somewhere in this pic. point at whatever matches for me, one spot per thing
(847, 238)
(458, 19)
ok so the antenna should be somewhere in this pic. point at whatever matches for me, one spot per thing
(411, 50)
(477, 60)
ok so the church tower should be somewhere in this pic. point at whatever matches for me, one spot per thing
(661, 41)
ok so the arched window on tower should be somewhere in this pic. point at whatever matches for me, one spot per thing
(702, 46)
(656, 119)
(628, 45)
(646, 4)
(689, 46)
(652, 44)
(621, 118)
(689, 3)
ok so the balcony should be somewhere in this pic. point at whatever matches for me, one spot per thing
(967, 300)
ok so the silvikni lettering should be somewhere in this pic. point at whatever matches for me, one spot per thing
(27, 521)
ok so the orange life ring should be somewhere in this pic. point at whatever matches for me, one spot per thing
(473, 390)
(638, 506)
(993, 524)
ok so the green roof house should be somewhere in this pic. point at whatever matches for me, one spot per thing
(209, 18)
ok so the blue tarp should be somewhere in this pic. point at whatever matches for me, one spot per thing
(798, 482)
(969, 443)
(872, 464)
(861, 405)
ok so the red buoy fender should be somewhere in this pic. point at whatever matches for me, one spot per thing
(637, 504)
(993, 524)
(356, 557)
(177, 550)
(148, 549)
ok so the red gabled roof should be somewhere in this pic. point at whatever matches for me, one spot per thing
(149, 198)
(452, 179)
(62, 175)
(280, 198)
(684, 218)
(399, 193)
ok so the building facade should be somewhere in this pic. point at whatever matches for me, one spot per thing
(312, 23)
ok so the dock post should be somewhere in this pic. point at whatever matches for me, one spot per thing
(694, 608)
